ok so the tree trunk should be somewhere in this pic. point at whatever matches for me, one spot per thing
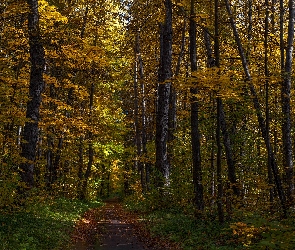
(219, 169)
(195, 134)
(136, 113)
(220, 121)
(80, 166)
(90, 147)
(286, 107)
(31, 131)
(211, 62)
(165, 74)
(141, 137)
(267, 119)
(173, 96)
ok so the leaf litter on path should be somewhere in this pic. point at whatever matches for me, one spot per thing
(113, 228)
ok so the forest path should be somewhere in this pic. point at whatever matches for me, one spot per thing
(112, 228)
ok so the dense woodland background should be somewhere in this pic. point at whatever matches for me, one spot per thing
(170, 104)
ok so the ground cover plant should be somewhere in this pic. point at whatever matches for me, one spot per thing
(41, 224)
(244, 230)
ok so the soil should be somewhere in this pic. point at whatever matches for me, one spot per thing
(113, 228)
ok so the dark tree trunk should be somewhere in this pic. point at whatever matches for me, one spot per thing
(267, 119)
(219, 169)
(90, 147)
(31, 131)
(165, 74)
(195, 134)
(173, 96)
(80, 166)
(220, 122)
(211, 62)
(57, 159)
(228, 152)
(286, 107)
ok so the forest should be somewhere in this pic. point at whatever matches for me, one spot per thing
(180, 110)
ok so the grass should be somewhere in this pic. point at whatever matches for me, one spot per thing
(190, 232)
(41, 225)
(246, 229)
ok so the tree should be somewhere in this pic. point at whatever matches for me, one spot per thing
(31, 129)
(165, 74)
(286, 107)
(195, 134)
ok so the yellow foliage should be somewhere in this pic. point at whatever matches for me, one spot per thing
(246, 233)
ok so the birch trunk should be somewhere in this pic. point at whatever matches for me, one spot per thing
(165, 74)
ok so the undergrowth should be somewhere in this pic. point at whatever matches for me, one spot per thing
(245, 229)
(41, 224)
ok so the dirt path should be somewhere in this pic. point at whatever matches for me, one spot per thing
(112, 228)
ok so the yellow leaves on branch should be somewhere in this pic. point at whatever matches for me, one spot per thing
(84, 56)
(14, 9)
(49, 15)
(223, 83)
(60, 105)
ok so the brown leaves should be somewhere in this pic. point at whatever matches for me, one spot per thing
(97, 225)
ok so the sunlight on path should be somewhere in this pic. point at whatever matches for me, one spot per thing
(110, 232)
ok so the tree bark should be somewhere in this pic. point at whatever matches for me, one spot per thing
(267, 118)
(195, 134)
(211, 62)
(286, 107)
(137, 138)
(165, 74)
(141, 137)
(90, 147)
(31, 131)
(173, 96)
(220, 120)
(219, 169)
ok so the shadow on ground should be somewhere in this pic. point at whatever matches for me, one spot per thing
(109, 228)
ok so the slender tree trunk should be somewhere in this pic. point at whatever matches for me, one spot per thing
(136, 113)
(228, 152)
(173, 100)
(250, 26)
(49, 159)
(212, 168)
(57, 158)
(165, 74)
(195, 134)
(219, 169)
(267, 119)
(258, 109)
(141, 137)
(80, 166)
(282, 43)
(82, 34)
(211, 62)
(286, 107)
(90, 147)
(220, 120)
(31, 131)
(173, 96)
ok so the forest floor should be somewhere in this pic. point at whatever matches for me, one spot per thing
(111, 227)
